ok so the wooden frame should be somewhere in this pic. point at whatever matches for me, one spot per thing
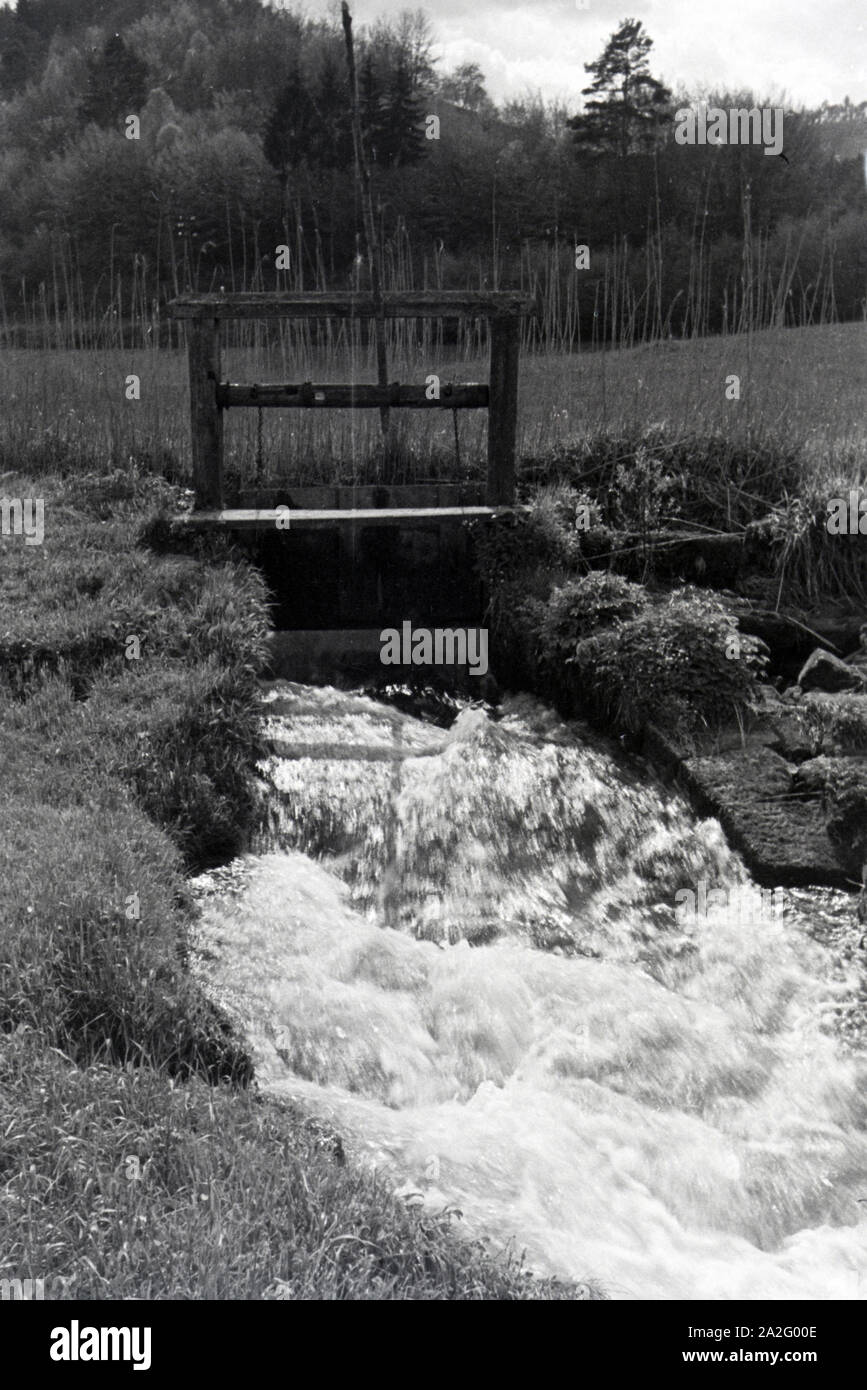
(209, 396)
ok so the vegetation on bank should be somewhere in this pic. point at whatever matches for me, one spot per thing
(617, 595)
(136, 1159)
(593, 597)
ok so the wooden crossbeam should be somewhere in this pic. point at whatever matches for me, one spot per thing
(266, 519)
(469, 396)
(323, 304)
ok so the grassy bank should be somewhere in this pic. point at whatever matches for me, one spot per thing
(137, 1159)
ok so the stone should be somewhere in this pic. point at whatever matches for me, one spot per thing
(824, 671)
(784, 838)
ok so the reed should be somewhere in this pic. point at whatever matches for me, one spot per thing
(599, 352)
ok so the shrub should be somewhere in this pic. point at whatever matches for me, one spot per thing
(519, 541)
(682, 664)
(702, 477)
(642, 495)
(835, 724)
(847, 820)
(581, 606)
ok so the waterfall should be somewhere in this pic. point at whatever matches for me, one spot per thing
(464, 947)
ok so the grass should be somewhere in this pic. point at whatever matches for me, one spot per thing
(800, 388)
(136, 1158)
(119, 1184)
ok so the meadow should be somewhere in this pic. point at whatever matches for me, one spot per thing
(801, 389)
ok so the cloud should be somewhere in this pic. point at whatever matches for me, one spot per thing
(812, 52)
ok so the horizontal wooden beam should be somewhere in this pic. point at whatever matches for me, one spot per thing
(416, 304)
(259, 519)
(308, 395)
(364, 495)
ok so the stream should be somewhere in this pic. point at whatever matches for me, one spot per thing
(461, 946)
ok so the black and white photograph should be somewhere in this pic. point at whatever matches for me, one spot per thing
(433, 672)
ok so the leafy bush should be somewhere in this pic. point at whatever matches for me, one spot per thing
(835, 724)
(847, 820)
(682, 664)
(643, 495)
(581, 606)
(544, 536)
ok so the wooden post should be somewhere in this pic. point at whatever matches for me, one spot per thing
(206, 419)
(362, 174)
(503, 410)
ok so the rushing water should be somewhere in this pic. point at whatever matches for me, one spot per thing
(462, 946)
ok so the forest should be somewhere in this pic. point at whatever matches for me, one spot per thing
(242, 144)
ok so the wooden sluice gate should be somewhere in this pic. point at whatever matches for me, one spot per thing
(211, 396)
(342, 557)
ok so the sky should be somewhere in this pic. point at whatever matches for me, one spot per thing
(806, 51)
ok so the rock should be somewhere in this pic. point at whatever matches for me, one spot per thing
(841, 786)
(784, 839)
(847, 828)
(792, 738)
(824, 671)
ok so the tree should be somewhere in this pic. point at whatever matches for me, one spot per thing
(627, 106)
(403, 139)
(371, 106)
(466, 87)
(415, 45)
(331, 145)
(117, 84)
(290, 128)
(409, 40)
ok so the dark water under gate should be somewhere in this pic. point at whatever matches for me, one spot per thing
(461, 945)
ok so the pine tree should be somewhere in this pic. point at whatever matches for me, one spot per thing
(117, 84)
(627, 106)
(291, 126)
(402, 119)
(332, 136)
(371, 108)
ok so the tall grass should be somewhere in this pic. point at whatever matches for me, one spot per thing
(799, 388)
(629, 296)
